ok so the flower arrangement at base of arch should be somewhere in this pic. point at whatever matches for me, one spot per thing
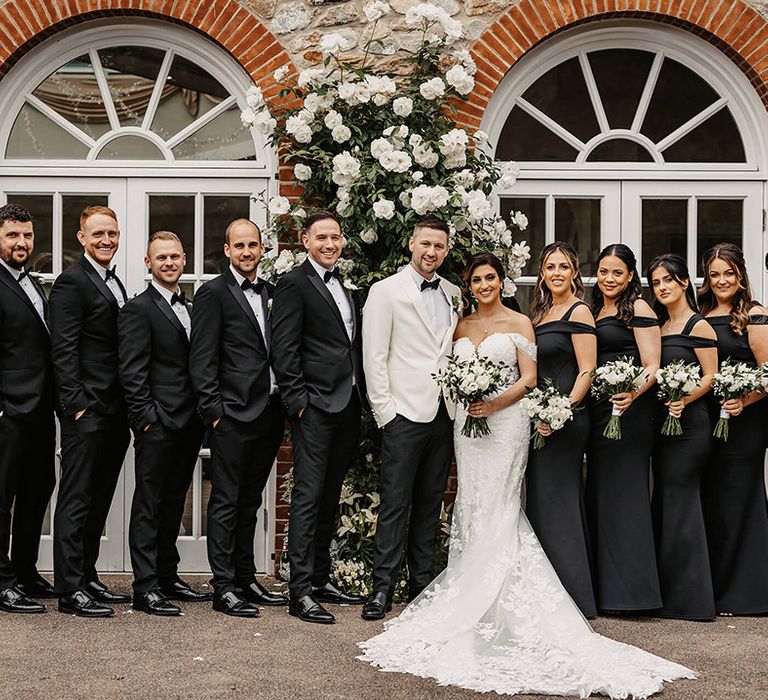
(384, 151)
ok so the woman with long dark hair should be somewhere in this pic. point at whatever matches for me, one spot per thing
(734, 500)
(618, 488)
(679, 461)
(567, 352)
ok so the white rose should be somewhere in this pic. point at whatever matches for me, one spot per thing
(279, 205)
(253, 97)
(311, 76)
(302, 172)
(432, 89)
(303, 134)
(369, 236)
(384, 209)
(483, 382)
(402, 106)
(395, 161)
(455, 140)
(379, 147)
(418, 176)
(333, 43)
(280, 73)
(347, 92)
(425, 157)
(248, 117)
(341, 134)
(294, 123)
(455, 160)
(346, 168)
(458, 78)
(521, 220)
(265, 123)
(376, 10)
(415, 140)
(333, 119)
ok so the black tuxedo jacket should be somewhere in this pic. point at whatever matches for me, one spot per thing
(229, 356)
(314, 358)
(154, 363)
(83, 314)
(26, 375)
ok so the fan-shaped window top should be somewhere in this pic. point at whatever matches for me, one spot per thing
(130, 103)
(621, 105)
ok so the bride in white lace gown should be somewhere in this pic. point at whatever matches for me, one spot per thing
(497, 618)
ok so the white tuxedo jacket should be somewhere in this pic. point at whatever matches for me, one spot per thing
(401, 351)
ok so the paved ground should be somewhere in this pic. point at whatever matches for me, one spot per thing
(208, 655)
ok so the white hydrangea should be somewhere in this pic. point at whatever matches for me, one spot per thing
(395, 161)
(280, 73)
(402, 106)
(384, 209)
(346, 168)
(279, 205)
(432, 89)
(461, 81)
(376, 10)
(341, 133)
(369, 235)
(425, 199)
(334, 43)
(302, 172)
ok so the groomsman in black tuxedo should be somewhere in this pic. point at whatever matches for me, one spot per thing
(27, 428)
(239, 400)
(84, 304)
(154, 329)
(318, 363)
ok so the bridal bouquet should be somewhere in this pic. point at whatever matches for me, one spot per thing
(676, 380)
(732, 381)
(467, 380)
(547, 405)
(617, 377)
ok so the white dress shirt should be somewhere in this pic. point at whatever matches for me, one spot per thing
(254, 301)
(181, 311)
(112, 284)
(29, 289)
(436, 304)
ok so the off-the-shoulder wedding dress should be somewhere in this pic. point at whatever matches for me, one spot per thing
(498, 618)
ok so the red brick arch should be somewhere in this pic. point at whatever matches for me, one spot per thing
(25, 23)
(731, 25)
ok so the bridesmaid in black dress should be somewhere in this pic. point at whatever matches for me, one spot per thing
(679, 461)
(567, 351)
(734, 500)
(618, 471)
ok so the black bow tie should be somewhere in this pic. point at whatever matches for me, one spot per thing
(23, 274)
(179, 298)
(328, 275)
(257, 286)
(434, 284)
(110, 274)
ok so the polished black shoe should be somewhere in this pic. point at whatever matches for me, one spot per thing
(255, 593)
(82, 604)
(377, 605)
(14, 601)
(101, 593)
(154, 603)
(330, 594)
(308, 609)
(36, 587)
(181, 590)
(232, 604)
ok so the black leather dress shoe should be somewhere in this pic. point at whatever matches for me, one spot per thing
(82, 604)
(232, 604)
(36, 587)
(14, 601)
(181, 590)
(330, 594)
(308, 609)
(154, 603)
(255, 593)
(377, 605)
(101, 593)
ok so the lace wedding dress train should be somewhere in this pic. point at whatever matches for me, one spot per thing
(498, 619)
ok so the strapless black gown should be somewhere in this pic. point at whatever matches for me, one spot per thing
(734, 494)
(618, 485)
(678, 467)
(555, 491)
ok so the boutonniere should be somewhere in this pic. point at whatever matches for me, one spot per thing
(456, 304)
(35, 277)
(269, 306)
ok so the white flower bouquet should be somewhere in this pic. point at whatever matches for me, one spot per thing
(466, 381)
(676, 380)
(617, 377)
(734, 379)
(548, 405)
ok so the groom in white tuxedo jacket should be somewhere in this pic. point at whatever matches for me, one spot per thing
(408, 325)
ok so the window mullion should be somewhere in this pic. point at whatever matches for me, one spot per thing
(594, 93)
(106, 95)
(645, 98)
(157, 92)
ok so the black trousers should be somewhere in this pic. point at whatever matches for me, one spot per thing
(415, 463)
(165, 461)
(324, 447)
(92, 453)
(242, 458)
(27, 479)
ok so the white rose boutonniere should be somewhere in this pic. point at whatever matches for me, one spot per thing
(456, 304)
(269, 307)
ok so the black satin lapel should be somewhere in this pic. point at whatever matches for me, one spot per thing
(353, 310)
(265, 310)
(15, 287)
(239, 295)
(167, 311)
(98, 282)
(326, 294)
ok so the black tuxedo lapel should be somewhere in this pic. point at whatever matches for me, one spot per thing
(7, 278)
(322, 287)
(99, 282)
(168, 312)
(237, 292)
(265, 311)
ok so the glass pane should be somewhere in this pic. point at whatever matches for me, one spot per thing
(46, 531)
(223, 138)
(34, 135)
(175, 213)
(620, 75)
(718, 221)
(523, 296)
(74, 93)
(717, 140)
(130, 148)
(41, 208)
(577, 221)
(72, 206)
(218, 212)
(189, 289)
(562, 95)
(205, 494)
(535, 234)
(524, 138)
(620, 150)
(679, 95)
(664, 227)
(131, 74)
(190, 92)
